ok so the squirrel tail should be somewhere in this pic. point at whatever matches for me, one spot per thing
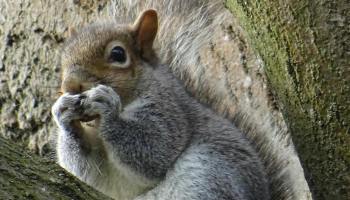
(190, 32)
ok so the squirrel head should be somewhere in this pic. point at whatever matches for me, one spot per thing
(109, 53)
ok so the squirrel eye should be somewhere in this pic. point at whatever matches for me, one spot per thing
(117, 55)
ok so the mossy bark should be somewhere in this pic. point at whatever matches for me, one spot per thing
(27, 176)
(305, 47)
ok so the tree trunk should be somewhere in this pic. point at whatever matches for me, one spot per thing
(305, 46)
(26, 176)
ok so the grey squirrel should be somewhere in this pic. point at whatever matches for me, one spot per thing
(129, 128)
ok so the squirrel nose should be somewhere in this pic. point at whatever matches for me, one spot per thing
(72, 86)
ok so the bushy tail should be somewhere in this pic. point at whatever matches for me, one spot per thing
(187, 37)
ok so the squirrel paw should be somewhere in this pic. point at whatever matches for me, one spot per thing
(100, 101)
(66, 109)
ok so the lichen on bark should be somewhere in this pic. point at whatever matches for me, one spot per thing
(305, 47)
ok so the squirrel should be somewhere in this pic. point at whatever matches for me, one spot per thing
(128, 127)
(191, 41)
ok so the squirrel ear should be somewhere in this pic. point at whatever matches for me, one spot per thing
(145, 28)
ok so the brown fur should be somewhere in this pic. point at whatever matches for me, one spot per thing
(84, 62)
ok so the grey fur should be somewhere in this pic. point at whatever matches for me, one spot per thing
(179, 148)
(186, 28)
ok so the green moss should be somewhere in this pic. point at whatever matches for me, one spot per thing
(27, 176)
(303, 45)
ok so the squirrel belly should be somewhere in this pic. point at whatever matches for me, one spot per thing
(95, 169)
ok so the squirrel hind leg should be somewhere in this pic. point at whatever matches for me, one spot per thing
(197, 175)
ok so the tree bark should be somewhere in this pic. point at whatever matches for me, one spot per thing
(27, 176)
(305, 46)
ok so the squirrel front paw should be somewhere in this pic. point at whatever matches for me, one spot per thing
(101, 101)
(66, 109)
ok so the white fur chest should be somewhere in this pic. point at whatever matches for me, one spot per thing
(107, 173)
